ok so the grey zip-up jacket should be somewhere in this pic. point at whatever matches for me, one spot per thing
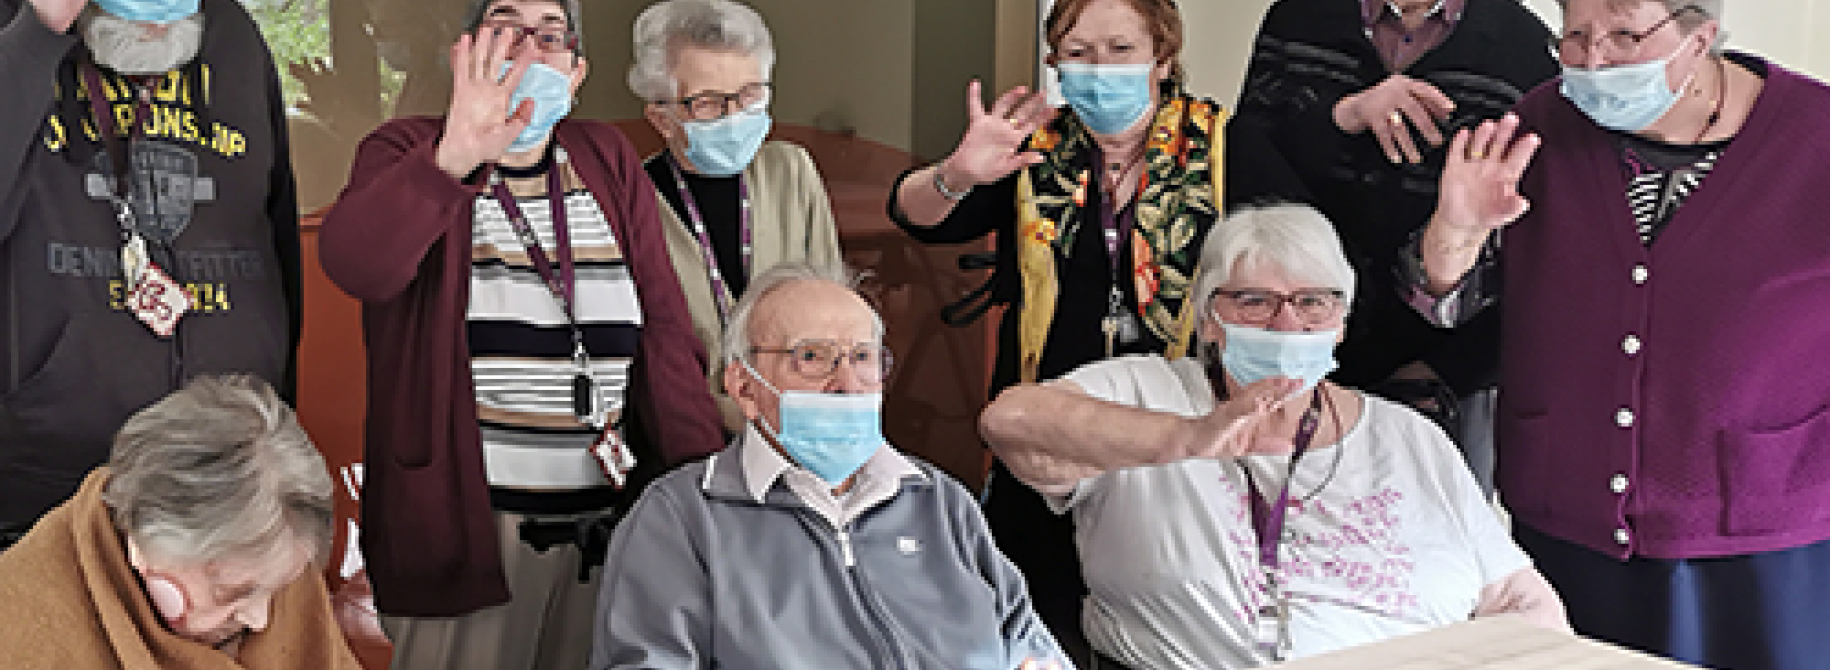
(701, 575)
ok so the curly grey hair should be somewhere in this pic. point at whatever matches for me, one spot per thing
(719, 25)
(218, 469)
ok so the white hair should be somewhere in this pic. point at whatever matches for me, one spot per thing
(737, 331)
(1294, 238)
(219, 469)
(718, 25)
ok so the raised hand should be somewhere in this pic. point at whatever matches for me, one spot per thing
(991, 146)
(1480, 176)
(480, 124)
(59, 15)
(1396, 111)
(1479, 194)
(1232, 429)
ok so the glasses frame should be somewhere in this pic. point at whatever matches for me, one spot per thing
(568, 38)
(728, 103)
(840, 353)
(1614, 37)
(1280, 299)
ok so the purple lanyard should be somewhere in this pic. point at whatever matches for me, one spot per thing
(560, 286)
(1268, 520)
(1113, 222)
(103, 112)
(721, 292)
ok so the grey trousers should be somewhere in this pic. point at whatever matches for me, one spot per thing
(546, 625)
(1477, 449)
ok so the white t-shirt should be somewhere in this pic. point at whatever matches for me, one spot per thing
(1392, 536)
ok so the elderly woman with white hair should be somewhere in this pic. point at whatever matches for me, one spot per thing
(735, 204)
(1235, 509)
(196, 546)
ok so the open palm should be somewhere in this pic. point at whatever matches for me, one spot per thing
(1480, 176)
(991, 147)
(480, 123)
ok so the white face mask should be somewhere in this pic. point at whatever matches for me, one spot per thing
(121, 45)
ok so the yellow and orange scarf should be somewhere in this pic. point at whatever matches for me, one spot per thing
(1179, 200)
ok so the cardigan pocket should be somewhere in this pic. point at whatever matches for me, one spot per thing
(1526, 461)
(1775, 479)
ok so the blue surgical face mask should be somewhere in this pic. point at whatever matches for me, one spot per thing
(724, 147)
(829, 434)
(1108, 98)
(551, 91)
(1252, 354)
(1627, 98)
(152, 11)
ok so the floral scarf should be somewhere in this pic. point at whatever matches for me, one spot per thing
(1178, 199)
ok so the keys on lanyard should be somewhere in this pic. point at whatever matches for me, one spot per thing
(1120, 325)
(153, 297)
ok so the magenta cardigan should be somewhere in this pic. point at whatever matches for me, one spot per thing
(398, 239)
(1672, 401)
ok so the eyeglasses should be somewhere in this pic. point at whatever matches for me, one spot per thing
(548, 38)
(714, 106)
(1312, 306)
(1573, 46)
(817, 360)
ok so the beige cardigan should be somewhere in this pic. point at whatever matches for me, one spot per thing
(793, 222)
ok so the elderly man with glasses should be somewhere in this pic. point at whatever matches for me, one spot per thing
(1234, 509)
(811, 543)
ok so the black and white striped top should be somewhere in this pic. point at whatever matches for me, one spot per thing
(521, 346)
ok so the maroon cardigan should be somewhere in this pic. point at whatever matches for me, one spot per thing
(398, 239)
(1672, 401)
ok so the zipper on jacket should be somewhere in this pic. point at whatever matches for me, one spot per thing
(845, 549)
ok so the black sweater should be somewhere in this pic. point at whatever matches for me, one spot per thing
(213, 197)
(1282, 144)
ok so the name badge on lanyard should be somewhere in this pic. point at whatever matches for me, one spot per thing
(153, 297)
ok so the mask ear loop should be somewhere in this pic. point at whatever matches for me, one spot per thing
(762, 424)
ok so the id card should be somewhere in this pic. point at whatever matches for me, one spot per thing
(157, 301)
(613, 457)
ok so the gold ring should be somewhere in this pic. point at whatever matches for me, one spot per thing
(1477, 155)
(1396, 118)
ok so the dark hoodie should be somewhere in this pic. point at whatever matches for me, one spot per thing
(219, 217)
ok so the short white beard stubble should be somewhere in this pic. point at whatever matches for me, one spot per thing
(122, 45)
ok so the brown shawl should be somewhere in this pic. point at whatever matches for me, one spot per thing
(68, 599)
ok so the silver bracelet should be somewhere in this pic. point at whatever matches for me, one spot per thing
(950, 194)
